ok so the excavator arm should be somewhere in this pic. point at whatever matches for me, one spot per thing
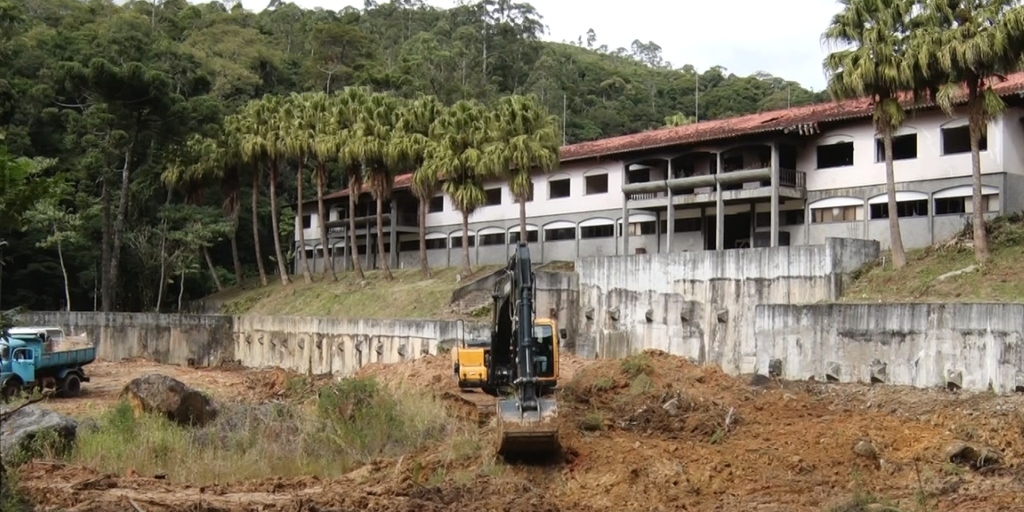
(527, 419)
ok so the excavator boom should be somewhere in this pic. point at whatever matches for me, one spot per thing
(527, 419)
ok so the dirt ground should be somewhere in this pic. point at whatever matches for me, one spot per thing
(654, 433)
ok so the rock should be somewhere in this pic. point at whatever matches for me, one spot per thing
(864, 448)
(976, 456)
(22, 426)
(162, 394)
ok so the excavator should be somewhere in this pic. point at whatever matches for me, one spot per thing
(519, 365)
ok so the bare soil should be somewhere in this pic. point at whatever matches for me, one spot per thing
(654, 433)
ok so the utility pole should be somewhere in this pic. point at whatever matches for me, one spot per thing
(696, 96)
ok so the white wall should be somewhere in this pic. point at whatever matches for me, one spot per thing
(1013, 140)
(929, 164)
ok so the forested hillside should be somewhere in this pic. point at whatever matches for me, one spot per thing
(98, 102)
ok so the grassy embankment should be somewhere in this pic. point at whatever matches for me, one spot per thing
(931, 273)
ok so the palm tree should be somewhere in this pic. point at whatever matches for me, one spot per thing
(348, 105)
(239, 127)
(414, 135)
(371, 144)
(325, 147)
(967, 43)
(875, 66)
(525, 139)
(455, 157)
(264, 140)
(297, 142)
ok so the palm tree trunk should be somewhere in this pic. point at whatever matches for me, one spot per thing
(324, 242)
(213, 269)
(423, 238)
(977, 124)
(380, 239)
(899, 257)
(466, 268)
(236, 260)
(64, 272)
(303, 261)
(181, 289)
(274, 219)
(353, 247)
(256, 225)
(522, 221)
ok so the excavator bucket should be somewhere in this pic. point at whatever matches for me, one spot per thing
(527, 433)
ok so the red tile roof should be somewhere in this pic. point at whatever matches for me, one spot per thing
(776, 120)
(401, 181)
(795, 118)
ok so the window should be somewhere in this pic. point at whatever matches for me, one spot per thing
(648, 227)
(492, 239)
(605, 231)
(558, 188)
(915, 208)
(961, 205)
(640, 175)
(958, 140)
(687, 225)
(837, 214)
(529, 195)
(839, 154)
(597, 184)
(307, 221)
(732, 163)
(904, 147)
(786, 218)
(437, 243)
(531, 236)
(436, 204)
(457, 241)
(556, 234)
(493, 196)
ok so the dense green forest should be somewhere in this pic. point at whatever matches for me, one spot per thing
(103, 107)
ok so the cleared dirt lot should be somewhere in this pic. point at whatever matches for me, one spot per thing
(648, 433)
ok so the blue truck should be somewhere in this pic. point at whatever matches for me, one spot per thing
(27, 361)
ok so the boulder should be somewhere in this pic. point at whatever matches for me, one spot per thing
(22, 426)
(162, 394)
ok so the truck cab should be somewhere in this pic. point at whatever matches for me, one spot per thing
(27, 362)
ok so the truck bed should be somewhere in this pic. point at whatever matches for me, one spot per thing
(73, 357)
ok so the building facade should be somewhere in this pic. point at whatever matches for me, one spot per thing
(788, 177)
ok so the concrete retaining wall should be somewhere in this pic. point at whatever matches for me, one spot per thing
(700, 304)
(303, 344)
(977, 346)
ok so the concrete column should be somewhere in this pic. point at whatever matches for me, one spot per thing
(345, 255)
(657, 231)
(625, 225)
(670, 214)
(775, 194)
(931, 218)
(719, 208)
(393, 238)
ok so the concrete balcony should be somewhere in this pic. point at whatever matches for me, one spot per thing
(736, 186)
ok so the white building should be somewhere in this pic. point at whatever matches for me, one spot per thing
(820, 167)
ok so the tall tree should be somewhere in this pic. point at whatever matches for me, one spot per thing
(525, 140)
(970, 43)
(455, 157)
(297, 138)
(349, 105)
(876, 66)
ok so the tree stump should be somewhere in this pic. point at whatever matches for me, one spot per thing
(162, 394)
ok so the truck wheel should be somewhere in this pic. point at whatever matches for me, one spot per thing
(70, 385)
(10, 389)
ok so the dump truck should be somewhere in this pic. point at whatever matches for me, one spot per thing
(519, 365)
(29, 359)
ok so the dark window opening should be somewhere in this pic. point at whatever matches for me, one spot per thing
(904, 147)
(950, 205)
(732, 163)
(649, 227)
(687, 225)
(836, 214)
(457, 241)
(493, 239)
(597, 184)
(307, 221)
(560, 234)
(918, 208)
(839, 154)
(493, 197)
(787, 156)
(605, 231)
(531, 236)
(436, 243)
(436, 205)
(640, 175)
(958, 140)
(558, 188)
(786, 218)
(408, 245)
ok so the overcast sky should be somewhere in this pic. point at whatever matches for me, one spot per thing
(744, 36)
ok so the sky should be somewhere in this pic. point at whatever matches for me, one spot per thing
(743, 36)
